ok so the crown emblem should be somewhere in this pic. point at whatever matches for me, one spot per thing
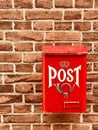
(64, 64)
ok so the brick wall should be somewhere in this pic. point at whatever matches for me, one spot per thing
(26, 25)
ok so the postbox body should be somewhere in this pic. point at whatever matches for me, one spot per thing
(64, 78)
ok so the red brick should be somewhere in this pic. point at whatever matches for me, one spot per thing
(83, 3)
(10, 57)
(93, 57)
(5, 25)
(23, 3)
(42, 25)
(92, 77)
(22, 25)
(20, 127)
(5, 99)
(61, 127)
(32, 57)
(96, 3)
(91, 36)
(24, 88)
(38, 46)
(88, 45)
(63, 36)
(23, 46)
(22, 108)
(6, 68)
(37, 108)
(24, 36)
(5, 109)
(38, 87)
(61, 118)
(5, 4)
(4, 127)
(63, 26)
(41, 127)
(22, 118)
(95, 88)
(5, 46)
(82, 26)
(95, 26)
(33, 98)
(41, 15)
(92, 98)
(95, 108)
(96, 47)
(1, 36)
(63, 3)
(95, 127)
(72, 15)
(88, 109)
(11, 15)
(91, 118)
(79, 127)
(89, 88)
(90, 14)
(24, 68)
(89, 66)
(38, 67)
(96, 66)
(6, 88)
(47, 4)
(14, 78)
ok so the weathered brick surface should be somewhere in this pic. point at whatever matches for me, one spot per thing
(24, 36)
(61, 127)
(5, 46)
(27, 25)
(33, 98)
(24, 67)
(95, 126)
(72, 15)
(4, 109)
(6, 88)
(83, 3)
(11, 15)
(61, 118)
(38, 15)
(23, 78)
(23, 3)
(5, 99)
(63, 26)
(23, 46)
(22, 26)
(82, 26)
(5, 5)
(4, 127)
(47, 4)
(41, 127)
(90, 118)
(5, 25)
(42, 25)
(63, 3)
(21, 127)
(22, 118)
(10, 57)
(6, 68)
(22, 108)
(24, 88)
(84, 127)
(63, 36)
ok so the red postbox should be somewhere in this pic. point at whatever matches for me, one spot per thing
(64, 78)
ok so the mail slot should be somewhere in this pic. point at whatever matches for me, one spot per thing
(64, 78)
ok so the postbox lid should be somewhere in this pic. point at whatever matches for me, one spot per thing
(64, 50)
